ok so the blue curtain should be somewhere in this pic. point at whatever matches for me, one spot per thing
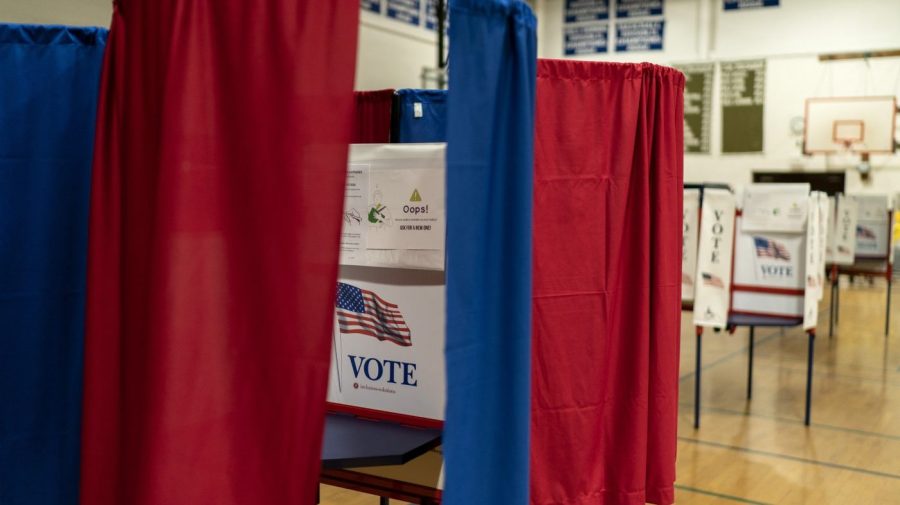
(489, 197)
(49, 79)
(428, 126)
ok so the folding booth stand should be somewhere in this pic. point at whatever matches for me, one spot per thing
(767, 285)
(874, 253)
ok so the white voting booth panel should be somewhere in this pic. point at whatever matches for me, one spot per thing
(842, 231)
(714, 259)
(388, 337)
(690, 222)
(873, 230)
(856, 124)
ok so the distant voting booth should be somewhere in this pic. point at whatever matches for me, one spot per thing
(761, 265)
(872, 248)
(690, 224)
(388, 336)
(420, 115)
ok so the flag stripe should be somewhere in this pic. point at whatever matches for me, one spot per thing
(398, 323)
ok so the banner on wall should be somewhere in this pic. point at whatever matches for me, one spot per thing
(394, 211)
(812, 267)
(775, 207)
(731, 5)
(873, 232)
(842, 232)
(586, 10)
(690, 231)
(406, 11)
(586, 39)
(714, 257)
(388, 341)
(371, 5)
(697, 106)
(743, 96)
(640, 35)
(638, 8)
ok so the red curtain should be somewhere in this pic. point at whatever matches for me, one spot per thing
(373, 116)
(217, 192)
(607, 273)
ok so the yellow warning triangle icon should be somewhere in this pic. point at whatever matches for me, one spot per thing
(415, 196)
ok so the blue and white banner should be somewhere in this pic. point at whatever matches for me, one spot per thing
(587, 39)
(640, 36)
(586, 10)
(370, 5)
(731, 5)
(638, 8)
(407, 11)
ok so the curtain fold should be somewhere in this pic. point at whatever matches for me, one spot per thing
(218, 183)
(374, 110)
(607, 273)
(490, 132)
(49, 77)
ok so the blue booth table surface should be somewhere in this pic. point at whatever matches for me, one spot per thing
(352, 442)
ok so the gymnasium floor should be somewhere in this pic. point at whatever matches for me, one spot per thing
(759, 452)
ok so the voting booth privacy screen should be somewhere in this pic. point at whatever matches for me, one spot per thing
(49, 79)
(607, 282)
(490, 132)
(215, 223)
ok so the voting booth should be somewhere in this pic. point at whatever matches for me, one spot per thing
(690, 228)
(864, 225)
(760, 265)
(387, 377)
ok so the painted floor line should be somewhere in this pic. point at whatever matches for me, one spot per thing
(837, 466)
(720, 495)
(730, 355)
(789, 420)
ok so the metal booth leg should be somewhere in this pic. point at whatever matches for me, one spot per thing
(809, 375)
(837, 303)
(750, 366)
(698, 366)
(887, 314)
(384, 500)
(831, 309)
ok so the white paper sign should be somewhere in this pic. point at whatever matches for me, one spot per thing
(356, 205)
(394, 213)
(711, 302)
(775, 208)
(811, 291)
(690, 221)
(388, 341)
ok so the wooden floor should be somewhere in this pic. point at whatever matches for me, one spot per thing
(759, 451)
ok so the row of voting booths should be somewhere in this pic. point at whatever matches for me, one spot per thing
(763, 258)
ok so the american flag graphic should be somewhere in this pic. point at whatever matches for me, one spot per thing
(362, 312)
(713, 280)
(766, 248)
(863, 232)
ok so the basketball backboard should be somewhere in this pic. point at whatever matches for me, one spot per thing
(863, 124)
